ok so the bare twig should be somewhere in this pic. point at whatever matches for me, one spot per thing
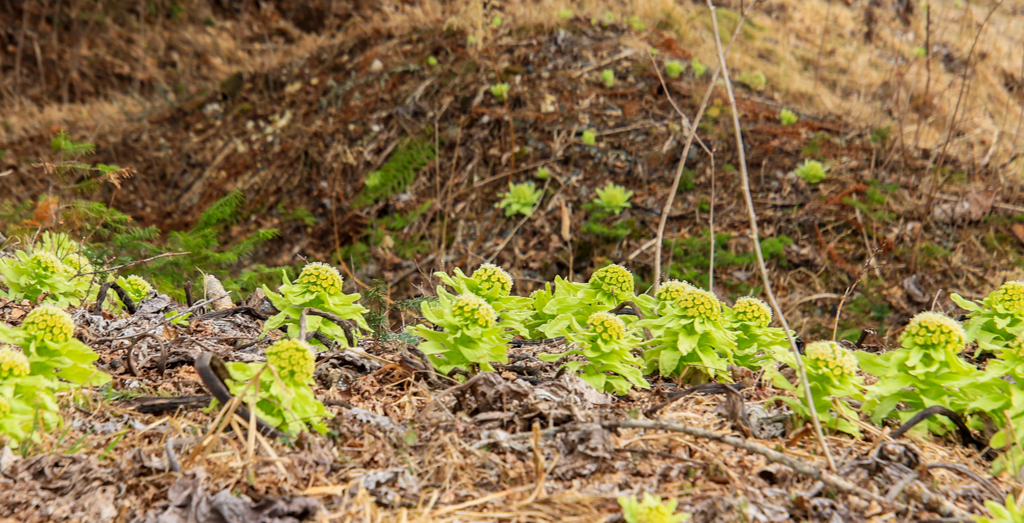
(660, 237)
(131, 264)
(757, 244)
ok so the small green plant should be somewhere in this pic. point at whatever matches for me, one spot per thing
(924, 372)
(755, 80)
(756, 341)
(280, 389)
(608, 78)
(613, 199)
(920, 52)
(832, 375)
(318, 286)
(698, 68)
(1006, 512)
(29, 276)
(997, 320)
(521, 198)
(811, 171)
(787, 117)
(500, 91)
(46, 338)
(471, 337)
(24, 398)
(636, 23)
(651, 510)
(564, 14)
(496, 22)
(431, 61)
(542, 174)
(136, 287)
(606, 343)
(689, 332)
(589, 137)
(673, 68)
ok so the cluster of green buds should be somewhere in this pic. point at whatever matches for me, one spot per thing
(472, 337)
(49, 324)
(926, 371)
(606, 342)
(756, 341)
(135, 286)
(492, 280)
(832, 375)
(935, 333)
(996, 320)
(47, 338)
(293, 360)
(689, 333)
(13, 364)
(319, 286)
(614, 283)
(281, 394)
(753, 311)
(29, 276)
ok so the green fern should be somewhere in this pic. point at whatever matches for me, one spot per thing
(411, 155)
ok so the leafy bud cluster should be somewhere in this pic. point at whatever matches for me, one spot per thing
(754, 311)
(699, 303)
(489, 276)
(474, 310)
(293, 359)
(320, 277)
(934, 331)
(13, 364)
(607, 327)
(832, 357)
(137, 287)
(1009, 295)
(672, 290)
(614, 280)
(49, 323)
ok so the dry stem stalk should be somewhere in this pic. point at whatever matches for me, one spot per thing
(660, 237)
(757, 244)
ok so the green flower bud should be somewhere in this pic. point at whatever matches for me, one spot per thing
(935, 331)
(5, 408)
(46, 263)
(754, 311)
(49, 323)
(1009, 295)
(613, 279)
(607, 327)
(473, 310)
(1016, 347)
(293, 360)
(832, 357)
(13, 364)
(489, 276)
(77, 263)
(672, 290)
(137, 287)
(320, 277)
(699, 303)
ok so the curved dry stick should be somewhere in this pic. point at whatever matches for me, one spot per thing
(966, 437)
(343, 323)
(121, 293)
(161, 367)
(805, 384)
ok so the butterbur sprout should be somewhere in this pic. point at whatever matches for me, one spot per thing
(320, 277)
(672, 290)
(489, 276)
(754, 311)
(49, 323)
(699, 303)
(293, 359)
(934, 331)
(473, 310)
(832, 357)
(78, 263)
(1016, 347)
(1009, 296)
(607, 327)
(13, 364)
(137, 287)
(47, 263)
(614, 280)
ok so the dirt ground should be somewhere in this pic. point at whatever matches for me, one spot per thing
(295, 107)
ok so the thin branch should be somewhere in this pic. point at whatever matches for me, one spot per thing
(131, 264)
(757, 244)
(660, 237)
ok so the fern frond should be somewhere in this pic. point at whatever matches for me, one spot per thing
(224, 211)
(411, 155)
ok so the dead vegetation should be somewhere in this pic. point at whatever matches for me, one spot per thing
(922, 201)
